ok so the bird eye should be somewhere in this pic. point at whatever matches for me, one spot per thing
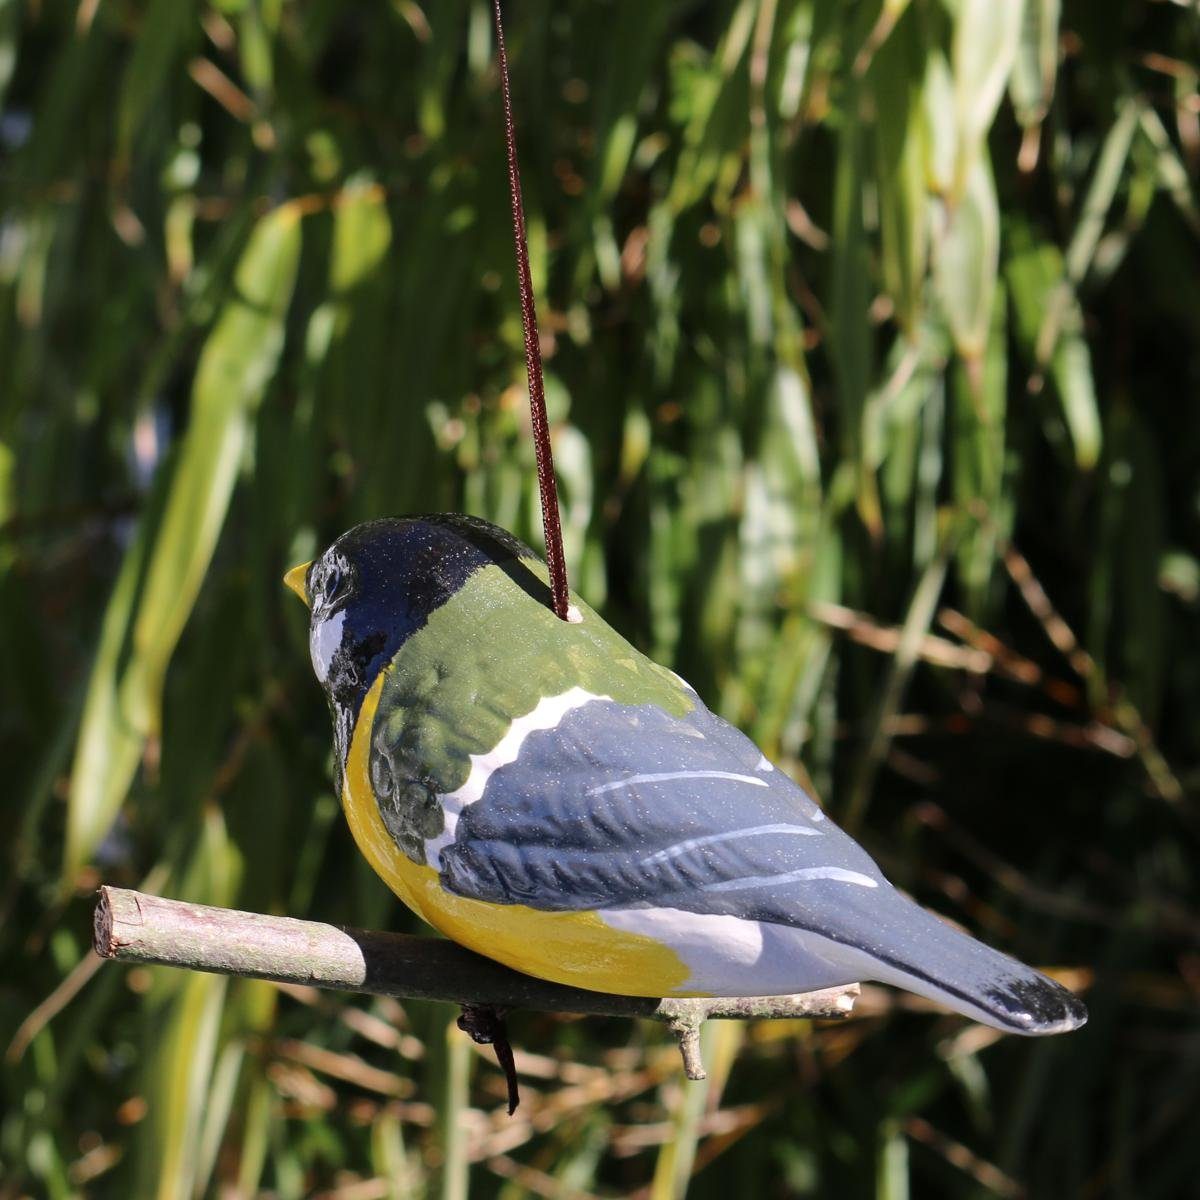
(336, 580)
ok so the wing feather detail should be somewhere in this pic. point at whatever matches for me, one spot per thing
(621, 804)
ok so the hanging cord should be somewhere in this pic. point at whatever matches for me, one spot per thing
(547, 488)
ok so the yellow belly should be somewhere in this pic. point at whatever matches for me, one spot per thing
(573, 948)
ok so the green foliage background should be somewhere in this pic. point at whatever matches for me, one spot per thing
(841, 302)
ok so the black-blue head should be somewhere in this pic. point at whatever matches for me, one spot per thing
(376, 585)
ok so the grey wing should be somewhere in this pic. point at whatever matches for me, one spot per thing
(623, 806)
(620, 805)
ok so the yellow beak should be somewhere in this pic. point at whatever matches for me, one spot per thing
(295, 580)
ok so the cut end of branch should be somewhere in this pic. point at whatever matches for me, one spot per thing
(102, 925)
(842, 999)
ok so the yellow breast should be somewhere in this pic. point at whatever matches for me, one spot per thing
(572, 948)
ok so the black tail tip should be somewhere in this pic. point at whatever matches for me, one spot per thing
(1036, 1006)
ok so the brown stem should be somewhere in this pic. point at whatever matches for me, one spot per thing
(136, 927)
(547, 487)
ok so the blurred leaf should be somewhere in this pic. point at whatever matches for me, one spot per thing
(1173, 175)
(966, 261)
(1034, 271)
(977, 460)
(160, 43)
(938, 103)
(256, 1122)
(713, 127)
(181, 1075)
(259, 27)
(10, 26)
(1135, 472)
(878, 736)
(986, 36)
(1110, 167)
(898, 75)
(362, 234)
(235, 368)
(109, 746)
(905, 439)
(1035, 68)
(851, 296)
(1179, 573)
(1071, 371)
(185, 1063)
(677, 1155)
(781, 510)
(7, 496)
(456, 1170)
(892, 1177)
(636, 28)
(216, 1108)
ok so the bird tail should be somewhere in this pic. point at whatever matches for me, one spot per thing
(903, 945)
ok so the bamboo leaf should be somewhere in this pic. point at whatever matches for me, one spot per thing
(456, 1167)
(713, 130)
(1043, 299)
(916, 622)
(977, 462)
(635, 29)
(7, 491)
(781, 512)
(966, 261)
(1035, 68)
(851, 297)
(181, 1069)
(1173, 175)
(897, 76)
(1110, 167)
(235, 367)
(677, 1157)
(109, 746)
(1071, 370)
(156, 50)
(892, 1171)
(362, 234)
(986, 36)
(1136, 468)
(10, 26)
(938, 104)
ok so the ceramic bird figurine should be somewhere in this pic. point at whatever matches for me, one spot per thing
(541, 792)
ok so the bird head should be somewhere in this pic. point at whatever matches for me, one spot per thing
(378, 583)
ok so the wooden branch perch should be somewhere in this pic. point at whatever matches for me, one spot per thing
(134, 927)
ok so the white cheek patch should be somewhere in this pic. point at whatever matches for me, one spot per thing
(323, 641)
